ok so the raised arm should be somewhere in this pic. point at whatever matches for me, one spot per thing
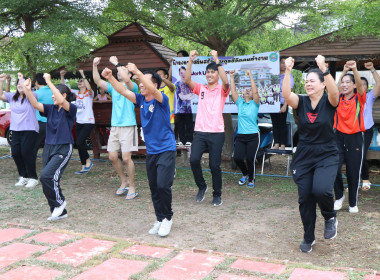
(345, 70)
(2, 79)
(58, 96)
(376, 76)
(169, 83)
(234, 93)
(331, 87)
(222, 73)
(188, 81)
(290, 97)
(119, 87)
(123, 74)
(149, 86)
(95, 74)
(358, 83)
(255, 92)
(86, 83)
(8, 85)
(62, 73)
(27, 86)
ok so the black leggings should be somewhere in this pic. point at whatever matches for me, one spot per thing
(82, 132)
(279, 127)
(22, 147)
(246, 147)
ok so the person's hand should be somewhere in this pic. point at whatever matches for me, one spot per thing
(369, 65)
(170, 60)
(320, 60)
(193, 55)
(232, 73)
(20, 76)
(107, 73)
(62, 73)
(114, 60)
(47, 77)
(81, 72)
(289, 63)
(283, 108)
(2, 77)
(8, 78)
(248, 72)
(27, 84)
(132, 68)
(351, 64)
(214, 54)
(96, 61)
(346, 68)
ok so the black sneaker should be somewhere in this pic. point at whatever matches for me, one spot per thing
(331, 228)
(306, 247)
(201, 195)
(217, 200)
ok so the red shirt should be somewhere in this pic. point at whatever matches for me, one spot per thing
(349, 114)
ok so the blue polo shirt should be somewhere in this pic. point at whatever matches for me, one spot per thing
(155, 122)
(123, 110)
(44, 96)
(247, 116)
(59, 124)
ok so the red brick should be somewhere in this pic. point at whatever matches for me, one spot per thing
(113, 269)
(311, 274)
(12, 233)
(263, 267)
(237, 277)
(17, 252)
(50, 237)
(372, 277)
(187, 265)
(78, 252)
(31, 273)
(148, 251)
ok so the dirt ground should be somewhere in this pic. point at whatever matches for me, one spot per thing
(262, 222)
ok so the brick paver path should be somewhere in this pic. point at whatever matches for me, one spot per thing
(28, 253)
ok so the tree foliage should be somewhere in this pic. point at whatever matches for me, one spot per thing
(39, 35)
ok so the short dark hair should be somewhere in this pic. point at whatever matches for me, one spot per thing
(40, 79)
(64, 89)
(283, 57)
(212, 66)
(318, 72)
(163, 70)
(364, 79)
(183, 52)
(156, 79)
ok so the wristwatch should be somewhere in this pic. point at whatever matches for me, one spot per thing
(117, 65)
(327, 72)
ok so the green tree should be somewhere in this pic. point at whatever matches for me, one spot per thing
(40, 35)
(215, 24)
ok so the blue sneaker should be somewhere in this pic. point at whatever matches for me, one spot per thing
(243, 180)
(251, 185)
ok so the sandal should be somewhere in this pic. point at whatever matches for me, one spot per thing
(251, 185)
(366, 186)
(243, 180)
(131, 196)
(121, 191)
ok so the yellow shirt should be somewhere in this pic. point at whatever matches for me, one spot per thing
(170, 94)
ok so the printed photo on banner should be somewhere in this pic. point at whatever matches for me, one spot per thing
(265, 69)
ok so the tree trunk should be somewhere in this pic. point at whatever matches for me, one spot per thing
(29, 28)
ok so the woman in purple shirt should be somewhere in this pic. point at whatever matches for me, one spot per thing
(24, 127)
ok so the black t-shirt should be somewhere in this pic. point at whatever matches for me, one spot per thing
(315, 126)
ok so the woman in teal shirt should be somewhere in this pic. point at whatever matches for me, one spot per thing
(247, 141)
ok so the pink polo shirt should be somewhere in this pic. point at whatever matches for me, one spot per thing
(210, 108)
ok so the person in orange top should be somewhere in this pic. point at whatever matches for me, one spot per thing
(349, 125)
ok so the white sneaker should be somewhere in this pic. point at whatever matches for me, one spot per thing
(21, 182)
(165, 227)
(180, 144)
(155, 228)
(354, 209)
(58, 210)
(31, 183)
(188, 144)
(338, 203)
(57, 218)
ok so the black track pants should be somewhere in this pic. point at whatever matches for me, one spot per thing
(246, 147)
(351, 148)
(314, 170)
